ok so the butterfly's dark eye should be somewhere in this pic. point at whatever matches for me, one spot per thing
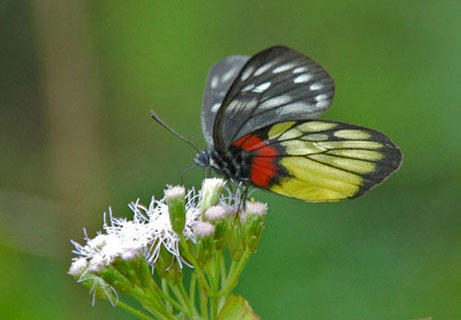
(202, 159)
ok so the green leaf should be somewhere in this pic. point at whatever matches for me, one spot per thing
(237, 308)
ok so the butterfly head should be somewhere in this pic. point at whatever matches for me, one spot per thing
(202, 159)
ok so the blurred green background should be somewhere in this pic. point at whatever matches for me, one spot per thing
(77, 79)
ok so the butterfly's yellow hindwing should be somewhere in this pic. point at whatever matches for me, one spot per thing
(330, 161)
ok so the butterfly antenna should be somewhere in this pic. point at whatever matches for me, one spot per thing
(163, 124)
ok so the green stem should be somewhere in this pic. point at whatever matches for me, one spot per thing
(209, 268)
(193, 281)
(203, 302)
(214, 307)
(150, 301)
(233, 265)
(153, 309)
(234, 274)
(213, 295)
(133, 311)
(154, 305)
(218, 269)
(223, 270)
(218, 261)
(214, 271)
(190, 304)
(155, 294)
(200, 275)
(165, 291)
(223, 277)
(185, 309)
(224, 281)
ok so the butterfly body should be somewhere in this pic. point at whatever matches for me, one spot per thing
(257, 119)
(233, 165)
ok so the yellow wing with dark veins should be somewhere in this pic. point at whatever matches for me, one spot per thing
(319, 160)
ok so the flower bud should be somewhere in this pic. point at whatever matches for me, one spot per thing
(215, 213)
(254, 223)
(132, 265)
(174, 197)
(205, 243)
(211, 191)
(236, 240)
(255, 209)
(203, 229)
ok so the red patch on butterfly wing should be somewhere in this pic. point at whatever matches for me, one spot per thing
(263, 167)
(249, 142)
(262, 170)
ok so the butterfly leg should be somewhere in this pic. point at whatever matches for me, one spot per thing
(243, 199)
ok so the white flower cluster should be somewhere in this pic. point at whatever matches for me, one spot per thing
(146, 233)
(183, 228)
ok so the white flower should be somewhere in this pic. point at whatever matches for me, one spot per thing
(215, 213)
(96, 263)
(210, 192)
(212, 184)
(78, 267)
(256, 208)
(160, 233)
(175, 192)
(150, 229)
(146, 233)
(204, 229)
(121, 257)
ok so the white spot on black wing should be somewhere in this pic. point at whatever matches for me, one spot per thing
(262, 87)
(214, 82)
(283, 67)
(274, 102)
(228, 75)
(215, 107)
(246, 74)
(322, 104)
(321, 97)
(316, 86)
(233, 105)
(248, 87)
(302, 78)
(300, 69)
(263, 68)
(293, 108)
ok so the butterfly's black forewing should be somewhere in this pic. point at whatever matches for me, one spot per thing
(219, 81)
(276, 84)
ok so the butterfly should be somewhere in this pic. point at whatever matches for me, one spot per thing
(258, 122)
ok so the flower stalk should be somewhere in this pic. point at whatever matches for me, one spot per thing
(186, 237)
